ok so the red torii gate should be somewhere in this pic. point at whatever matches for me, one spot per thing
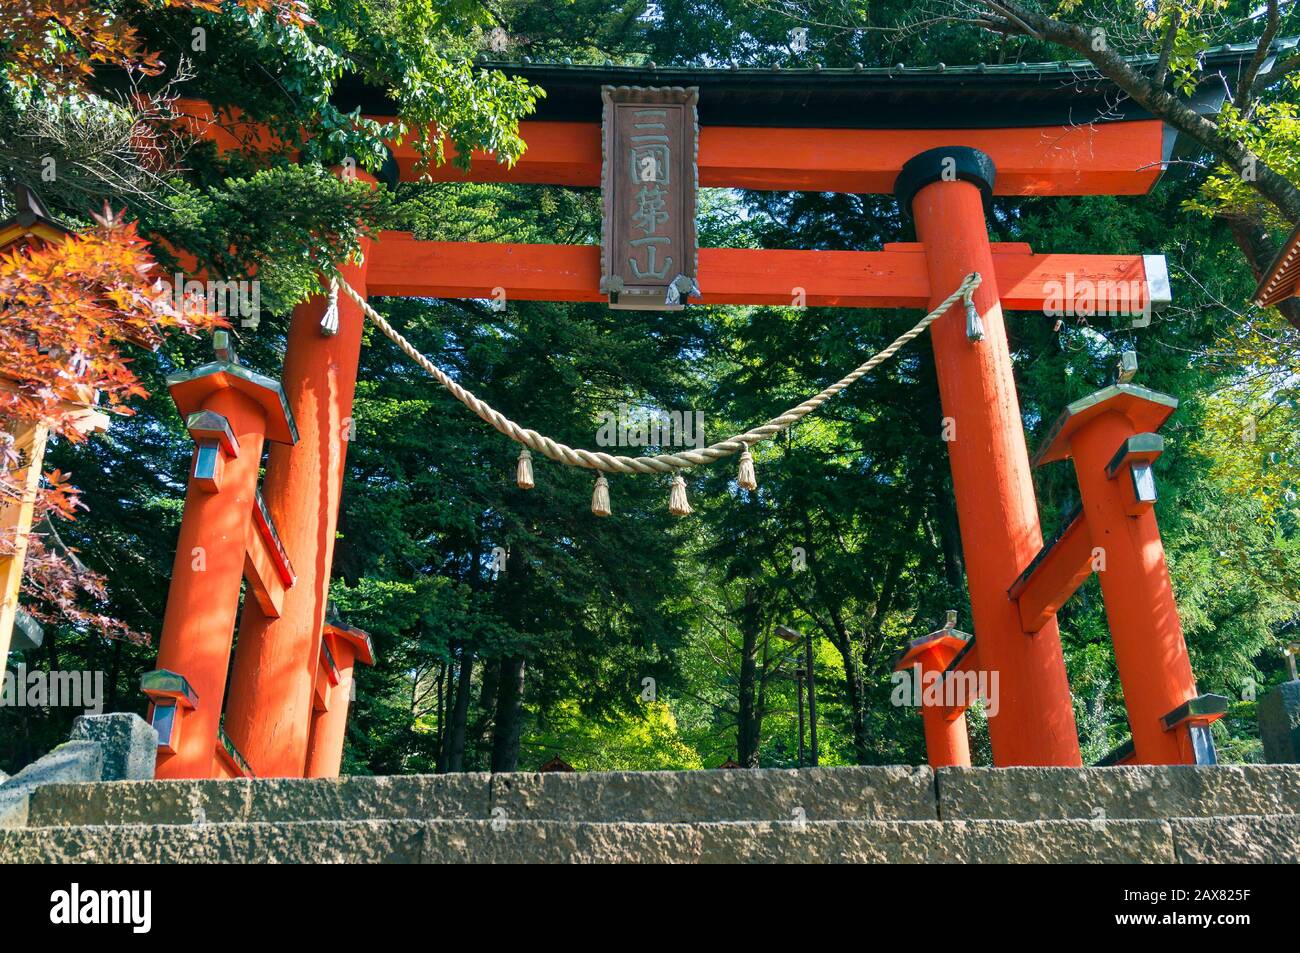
(281, 539)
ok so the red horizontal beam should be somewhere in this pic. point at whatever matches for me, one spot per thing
(1089, 159)
(1056, 572)
(1116, 158)
(267, 533)
(895, 277)
(262, 573)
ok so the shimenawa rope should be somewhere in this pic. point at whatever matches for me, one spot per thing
(662, 462)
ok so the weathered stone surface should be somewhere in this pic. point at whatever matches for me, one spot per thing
(813, 816)
(441, 842)
(321, 842)
(141, 802)
(559, 842)
(1067, 842)
(1270, 839)
(1141, 792)
(477, 841)
(934, 842)
(418, 797)
(130, 744)
(860, 793)
(1279, 724)
(828, 842)
(414, 797)
(14, 809)
(71, 761)
(828, 793)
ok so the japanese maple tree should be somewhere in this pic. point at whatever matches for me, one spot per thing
(68, 310)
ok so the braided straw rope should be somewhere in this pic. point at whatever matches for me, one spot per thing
(663, 462)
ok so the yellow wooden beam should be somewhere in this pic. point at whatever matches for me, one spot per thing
(16, 523)
(16, 516)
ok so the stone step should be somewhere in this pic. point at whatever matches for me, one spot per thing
(873, 793)
(1260, 838)
(669, 797)
(1128, 791)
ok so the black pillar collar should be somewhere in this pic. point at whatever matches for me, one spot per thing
(945, 164)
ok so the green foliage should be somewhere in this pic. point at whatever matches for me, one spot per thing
(276, 223)
(1271, 135)
(647, 739)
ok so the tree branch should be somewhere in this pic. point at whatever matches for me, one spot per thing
(1244, 86)
(1164, 105)
(1167, 48)
(1010, 15)
(1280, 68)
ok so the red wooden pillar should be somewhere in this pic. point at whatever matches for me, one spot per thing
(342, 649)
(946, 191)
(1111, 437)
(947, 741)
(230, 411)
(269, 713)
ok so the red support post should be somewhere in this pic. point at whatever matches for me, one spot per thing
(945, 190)
(347, 647)
(947, 741)
(269, 713)
(1111, 437)
(230, 411)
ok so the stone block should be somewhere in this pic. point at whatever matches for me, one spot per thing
(851, 793)
(414, 797)
(129, 742)
(1123, 792)
(1279, 724)
(1267, 839)
(71, 761)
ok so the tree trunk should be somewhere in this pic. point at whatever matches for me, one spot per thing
(444, 713)
(843, 642)
(508, 723)
(747, 718)
(764, 673)
(439, 694)
(456, 748)
(945, 512)
(114, 669)
(487, 703)
(853, 695)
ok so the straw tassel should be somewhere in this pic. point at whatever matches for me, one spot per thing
(524, 475)
(974, 326)
(329, 322)
(600, 498)
(746, 477)
(677, 504)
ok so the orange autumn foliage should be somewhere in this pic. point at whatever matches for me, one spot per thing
(67, 310)
(60, 42)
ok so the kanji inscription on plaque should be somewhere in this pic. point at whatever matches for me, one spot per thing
(649, 181)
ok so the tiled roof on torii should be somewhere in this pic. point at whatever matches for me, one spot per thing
(895, 97)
